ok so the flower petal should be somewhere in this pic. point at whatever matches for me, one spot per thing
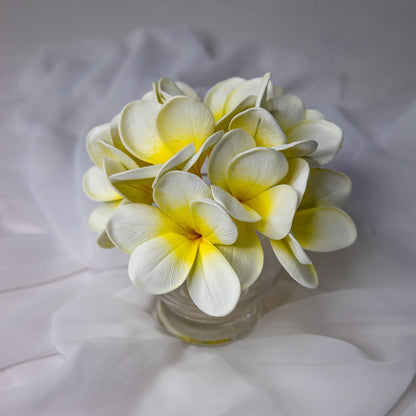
(213, 285)
(311, 114)
(326, 188)
(188, 90)
(162, 264)
(101, 214)
(262, 93)
(328, 136)
(216, 96)
(138, 190)
(147, 172)
(297, 149)
(97, 186)
(103, 241)
(115, 153)
(139, 134)
(212, 222)
(323, 229)
(95, 149)
(304, 273)
(233, 206)
(198, 159)
(261, 125)
(254, 171)
(297, 176)
(174, 193)
(183, 120)
(277, 207)
(245, 255)
(224, 122)
(169, 89)
(134, 224)
(232, 144)
(287, 110)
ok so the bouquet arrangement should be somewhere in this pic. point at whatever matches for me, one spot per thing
(188, 187)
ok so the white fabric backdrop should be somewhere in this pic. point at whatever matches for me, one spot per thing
(78, 339)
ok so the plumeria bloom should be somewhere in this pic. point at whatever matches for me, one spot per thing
(165, 89)
(318, 225)
(187, 237)
(274, 119)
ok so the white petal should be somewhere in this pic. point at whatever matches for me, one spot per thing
(97, 186)
(255, 170)
(262, 93)
(224, 122)
(297, 176)
(162, 264)
(297, 149)
(232, 144)
(148, 172)
(328, 136)
(304, 273)
(138, 190)
(277, 207)
(139, 134)
(323, 229)
(150, 96)
(169, 89)
(245, 255)
(326, 188)
(188, 90)
(117, 154)
(103, 241)
(287, 110)
(261, 125)
(197, 160)
(101, 214)
(212, 222)
(216, 96)
(182, 121)
(233, 206)
(312, 114)
(133, 224)
(174, 193)
(213, 285)
(94, 148)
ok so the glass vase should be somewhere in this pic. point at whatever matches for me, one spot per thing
(180, 317)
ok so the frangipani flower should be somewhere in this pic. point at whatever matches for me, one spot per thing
(245, 181)
(318, 225)
(165, 89)
(188, 236)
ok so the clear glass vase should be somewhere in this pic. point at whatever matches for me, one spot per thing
(180, 317)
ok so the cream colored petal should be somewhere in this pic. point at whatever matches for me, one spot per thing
(103, 241)
(134, 224)
(198, 159)
(232, 144)
(138, 190)
(233, 206)
(174, 193)
(297, 176)
(183, 120)
(277, 207)
(117, 154)
(169, 89)
(328, 136)
(245, 255)
(101, 214)
(150, 96)
(224, 122)
(212, 222)
(261, 125)
(148, 172)
(188, 90)
(326, 188)
(255, 170)
(176, 161)
(287, 110)
(304, 273)
(312, 114)
(216, 96)
(262, 93)
(97, 186)
(240, 93)
(95, 149)
(139, 134)
(162, 264)
(323, 229)
(213, 285)
(297, 149)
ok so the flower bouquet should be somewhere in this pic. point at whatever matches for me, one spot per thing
(192, 189)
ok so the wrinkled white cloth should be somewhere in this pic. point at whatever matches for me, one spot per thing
(78, 339)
